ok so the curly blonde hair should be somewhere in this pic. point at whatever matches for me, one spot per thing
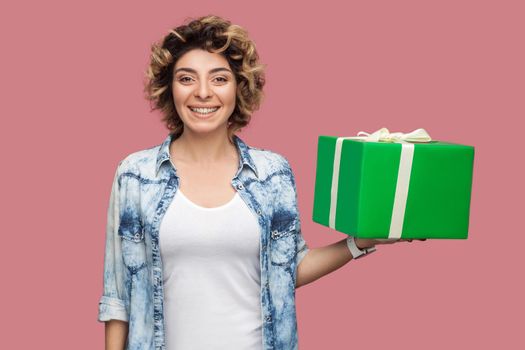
(216, 35)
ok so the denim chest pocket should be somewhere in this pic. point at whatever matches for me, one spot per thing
(283, 240)
(133, 245)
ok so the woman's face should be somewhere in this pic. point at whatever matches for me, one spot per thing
(204, 91)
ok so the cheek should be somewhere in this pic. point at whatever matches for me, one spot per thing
(178, 96)
(179, 102)
(228, 95)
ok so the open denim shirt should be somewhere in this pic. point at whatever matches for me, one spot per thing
(145, 183)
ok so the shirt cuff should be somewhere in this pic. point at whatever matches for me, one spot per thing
(111, 308)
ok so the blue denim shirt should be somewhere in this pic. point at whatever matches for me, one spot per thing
(144, 184)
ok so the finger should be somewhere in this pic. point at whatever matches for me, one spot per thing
(387, 240)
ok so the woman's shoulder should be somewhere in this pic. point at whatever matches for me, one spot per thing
(265, 154)
(270, 161)
(139, 160)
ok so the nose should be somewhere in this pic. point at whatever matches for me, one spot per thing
(203, 90)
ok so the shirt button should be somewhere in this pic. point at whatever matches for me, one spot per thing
(259, 211)
(240, 186)
(268, 318)
(267, 284)
(137, 235)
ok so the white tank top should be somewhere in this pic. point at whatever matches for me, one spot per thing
(211, 271)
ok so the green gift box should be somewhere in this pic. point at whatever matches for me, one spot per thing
(393, 185)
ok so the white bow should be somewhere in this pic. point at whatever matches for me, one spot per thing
(383, 135)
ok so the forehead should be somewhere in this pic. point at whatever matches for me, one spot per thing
(199, 59)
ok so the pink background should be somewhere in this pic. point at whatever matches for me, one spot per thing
(72, 107)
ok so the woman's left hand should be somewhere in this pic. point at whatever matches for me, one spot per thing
(367, 243)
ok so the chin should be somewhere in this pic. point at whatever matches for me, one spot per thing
(205, 129)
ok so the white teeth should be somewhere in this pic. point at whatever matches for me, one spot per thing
(204, 110)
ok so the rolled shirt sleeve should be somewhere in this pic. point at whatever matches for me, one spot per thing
(113, 302)
(302, 246)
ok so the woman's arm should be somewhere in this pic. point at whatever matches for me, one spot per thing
(112, 303)
(116, 334)
(321, 261)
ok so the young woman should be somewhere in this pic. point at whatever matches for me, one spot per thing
(204, 248)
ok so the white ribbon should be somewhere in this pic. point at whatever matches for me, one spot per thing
(403, 178)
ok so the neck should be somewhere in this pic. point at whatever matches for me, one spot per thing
(202, 148)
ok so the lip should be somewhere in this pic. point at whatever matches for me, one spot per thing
(204, 116)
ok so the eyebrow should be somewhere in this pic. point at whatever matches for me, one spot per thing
(191, 70)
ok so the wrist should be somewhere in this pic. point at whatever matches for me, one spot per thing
(363, 243)
(364, 247)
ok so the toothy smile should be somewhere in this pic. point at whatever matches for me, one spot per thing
(204, 110)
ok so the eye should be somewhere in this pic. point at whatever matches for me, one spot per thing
(222, 79)
(184, 79)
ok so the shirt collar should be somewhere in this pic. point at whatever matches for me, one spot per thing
(242, 148)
